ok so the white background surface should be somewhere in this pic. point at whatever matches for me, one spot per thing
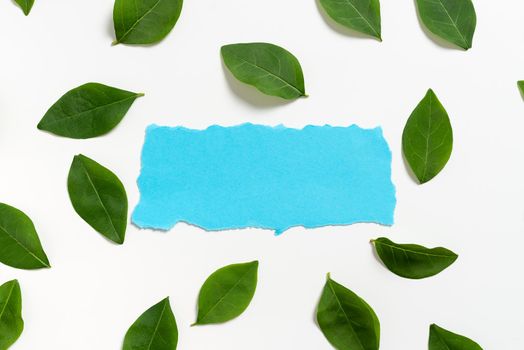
(95, 289)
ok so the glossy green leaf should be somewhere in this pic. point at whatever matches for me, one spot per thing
(155, 329)
(88, 111)
(26, 5)
(227, 293)
(11, 322)
(412, 260)
(346, 320)
(20, 246)
(441, 339)
(98, 197)
(144, 21)
(270, 68)
(360, 15)
(427, 140)
(451, 20)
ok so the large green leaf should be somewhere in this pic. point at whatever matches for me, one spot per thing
(270, 68)
(452, 20)
(20, 246)
(442, 339)
(227, 293)
(26, 5)
(98, 197)
(88, 111)
(360, 15)
(144, 21)
(412, 260)
(11, 322)
(155, 329)
(346, 320)
(427, 140)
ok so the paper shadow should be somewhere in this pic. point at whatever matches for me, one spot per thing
(436, 39)
(250, 94)
(339, 28)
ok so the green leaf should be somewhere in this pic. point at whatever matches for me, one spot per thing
(227, 293)
(88, 111)
(155, 329)
(520, 84)
(11, 322)
(441, 339)
(413, 261)
(26, 5)
(20, 246)
(270, 68)
(144, 21)
(346, 320)
(360, 15)
(451, 20)
(427, 140)
(98, 197)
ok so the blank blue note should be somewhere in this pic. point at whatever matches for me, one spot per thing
(265, 177)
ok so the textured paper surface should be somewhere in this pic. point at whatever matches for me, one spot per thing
(265, 177)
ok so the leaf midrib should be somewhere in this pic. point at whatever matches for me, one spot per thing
(442, 340)
(79, 115)
(226, 294)
(157, 325)
(99, 199)
(414, 251)
(344, 312)
(270, 73)
(138, 21)
(426, 155)
(364, 18)
(7, 300)
(453, 22)
(23, 246)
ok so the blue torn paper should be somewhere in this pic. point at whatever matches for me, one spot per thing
(264, 177)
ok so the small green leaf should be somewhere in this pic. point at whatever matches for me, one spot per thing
(441, 339)
(346, 320)
(144, 21)
(20, 246)
(360, 15)
(88, 111)
(411, 260)
(227, 293)
(520, 84)
(155, 329)
(98, 197)
(11, 322)
(427, 140)
(451, 20)
(26, 5)
(270, 68)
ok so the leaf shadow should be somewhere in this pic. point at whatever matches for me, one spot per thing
(250, 94)
(339, 28)
(434, 38)
(315, 311)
